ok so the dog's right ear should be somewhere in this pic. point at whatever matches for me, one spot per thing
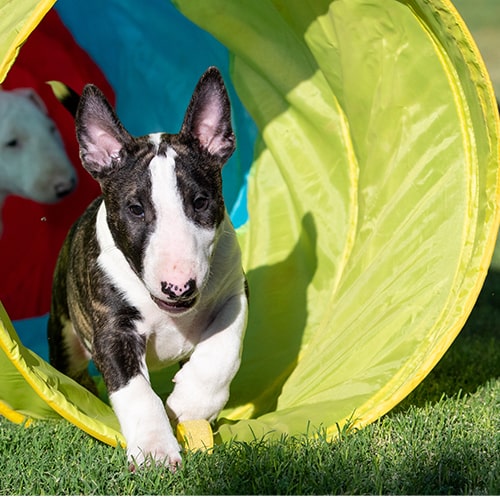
(100, 134)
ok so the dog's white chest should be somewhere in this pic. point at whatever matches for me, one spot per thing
(171, 340)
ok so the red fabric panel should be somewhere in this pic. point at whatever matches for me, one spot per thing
(33, 233)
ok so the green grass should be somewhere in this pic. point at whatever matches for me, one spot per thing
(452, 447)
(443, 439)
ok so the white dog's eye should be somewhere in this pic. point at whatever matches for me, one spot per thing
(13, 143)
(136, 210)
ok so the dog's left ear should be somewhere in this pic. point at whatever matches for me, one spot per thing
(208, 117)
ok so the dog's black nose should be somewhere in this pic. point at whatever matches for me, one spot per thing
(64, 188)
(176, 292)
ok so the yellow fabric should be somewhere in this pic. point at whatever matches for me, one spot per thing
(373, 203)
(12, 415)
(34, 389)
(18, 18)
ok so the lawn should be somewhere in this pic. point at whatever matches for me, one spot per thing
(443, 439)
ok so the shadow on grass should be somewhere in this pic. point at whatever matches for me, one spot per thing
(473, 358)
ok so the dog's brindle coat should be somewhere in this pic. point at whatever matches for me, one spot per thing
(151, 274)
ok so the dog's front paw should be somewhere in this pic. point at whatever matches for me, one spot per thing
(155, 452)
(145, 426)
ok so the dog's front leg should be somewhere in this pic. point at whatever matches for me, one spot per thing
(141, 413)
(145, 425)
(202, 385)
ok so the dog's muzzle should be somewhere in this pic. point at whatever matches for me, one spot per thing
(178, 298)
(175, 306)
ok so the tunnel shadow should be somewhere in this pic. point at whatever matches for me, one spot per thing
(277, 320)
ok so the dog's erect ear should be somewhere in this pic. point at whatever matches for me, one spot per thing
(32, 96)
(208, 117)
(100, 134)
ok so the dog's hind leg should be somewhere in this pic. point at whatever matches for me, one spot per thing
(67, 352)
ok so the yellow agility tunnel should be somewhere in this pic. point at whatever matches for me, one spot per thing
(373, 209)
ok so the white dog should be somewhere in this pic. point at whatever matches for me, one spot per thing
(33, 161)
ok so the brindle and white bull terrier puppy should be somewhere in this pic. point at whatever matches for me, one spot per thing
(151, 274)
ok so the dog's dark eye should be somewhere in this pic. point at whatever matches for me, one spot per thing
(136, 210)
(13, 143)
(200, 203)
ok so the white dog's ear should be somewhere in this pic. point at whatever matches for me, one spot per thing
(208, 117)
(32, 96)
(100, 134)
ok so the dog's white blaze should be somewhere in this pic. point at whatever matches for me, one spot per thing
(178, 250)
(155, 139)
